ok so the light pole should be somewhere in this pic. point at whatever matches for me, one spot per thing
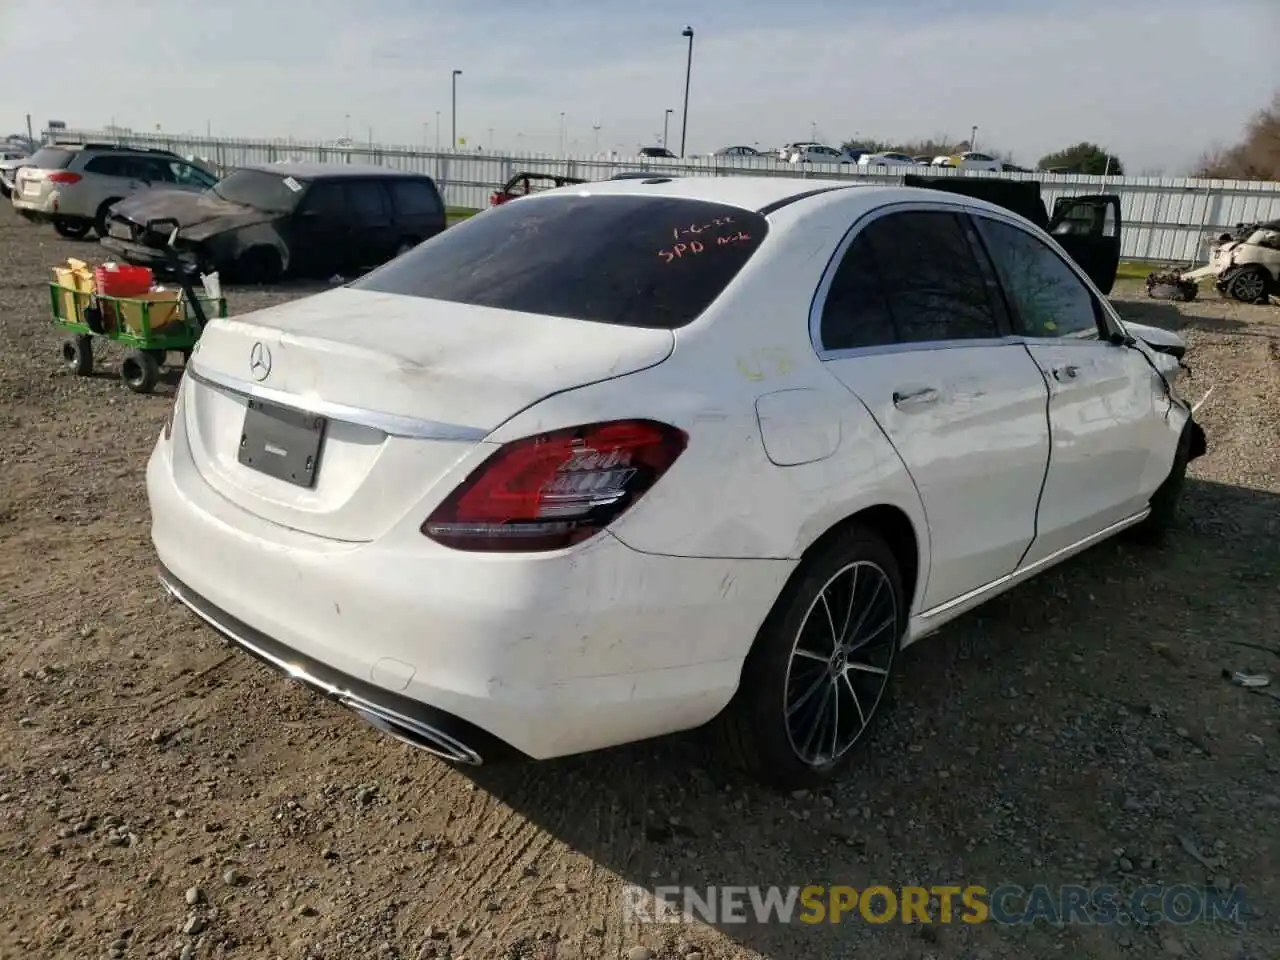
(437, 131)
(666, 118)
(456, 75)
(348, 128)
(973, 139)
(595, 145)
(425, 127)
(688, 72)
(564, 132)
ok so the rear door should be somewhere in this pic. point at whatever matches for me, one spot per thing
(372, 230)
(321, 229)
(1111, 445)
(913, 326)
(1088, 228)
(114, 177)
(417, 208)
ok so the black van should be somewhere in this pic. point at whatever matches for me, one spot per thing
(1088, 228)
(259, 223)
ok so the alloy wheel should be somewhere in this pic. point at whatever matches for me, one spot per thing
(840, 663)
(1249, 286)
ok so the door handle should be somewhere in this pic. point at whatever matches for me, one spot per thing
(915, 397)
(1066, 372)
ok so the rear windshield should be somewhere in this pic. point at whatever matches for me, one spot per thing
(633, 261)
(52, 158)
(268, 192)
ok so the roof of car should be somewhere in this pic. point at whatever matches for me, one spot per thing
(318, 171)
(769, 193)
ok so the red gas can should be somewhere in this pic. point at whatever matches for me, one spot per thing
(122, 280)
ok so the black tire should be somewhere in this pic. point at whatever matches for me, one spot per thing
(100, 218)
(1248, 284)
(71, 229)
(77, 355)
(259, 265)
(775, 701)
(139, 371)
(1168, 496)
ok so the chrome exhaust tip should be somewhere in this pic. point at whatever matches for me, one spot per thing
(414, 733)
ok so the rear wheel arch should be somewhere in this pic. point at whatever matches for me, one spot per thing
(889, 522)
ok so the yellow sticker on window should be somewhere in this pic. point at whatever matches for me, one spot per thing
(1050, 325)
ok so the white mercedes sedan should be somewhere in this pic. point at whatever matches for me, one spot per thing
(634, 456)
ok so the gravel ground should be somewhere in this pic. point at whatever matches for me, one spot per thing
(163, 797)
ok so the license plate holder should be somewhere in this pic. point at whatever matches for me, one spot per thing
(282, 442)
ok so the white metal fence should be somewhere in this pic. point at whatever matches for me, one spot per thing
(1165, 219)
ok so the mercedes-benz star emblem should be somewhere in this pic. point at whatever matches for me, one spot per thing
(260, 361)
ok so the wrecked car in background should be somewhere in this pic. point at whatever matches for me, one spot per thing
(1244, 264)
(260, 223)
(527, 182)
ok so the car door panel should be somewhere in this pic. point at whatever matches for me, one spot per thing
(909, 323)
(319, 230)
(969, 424)
(370, 228)
(1100, 408)
(1088, 228)
(1104, 399)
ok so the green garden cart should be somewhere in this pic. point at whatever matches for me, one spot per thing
(151, 325)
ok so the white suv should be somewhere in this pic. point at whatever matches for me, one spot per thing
(73, 186)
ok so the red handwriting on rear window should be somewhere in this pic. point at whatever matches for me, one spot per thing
(691, 248)
(696, 228)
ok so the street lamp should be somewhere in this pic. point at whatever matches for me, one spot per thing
(688, 71)
(666, 117)
(973, 139)
(564, 132)
(437, 131)
(456, 75)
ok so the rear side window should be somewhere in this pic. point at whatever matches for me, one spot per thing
(367, 201)
(415, 198)
(107, 166)
(635, 261)
(856, 312)
(909, 277)
(52, 158)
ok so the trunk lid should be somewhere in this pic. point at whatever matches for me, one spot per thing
(406, 387)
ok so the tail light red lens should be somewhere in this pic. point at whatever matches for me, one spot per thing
(63, 176)
(553, 490)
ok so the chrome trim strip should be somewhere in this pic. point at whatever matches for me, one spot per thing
(1022, 573)
(392, 424)
(374, 714)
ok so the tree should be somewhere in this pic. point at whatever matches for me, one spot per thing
(1087, 158)
(1256, 156)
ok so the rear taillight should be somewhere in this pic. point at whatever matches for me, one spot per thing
(63, 176)
(553, 490)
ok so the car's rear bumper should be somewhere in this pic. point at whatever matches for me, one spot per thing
(544, 656)
(409, 720)
(43, 208)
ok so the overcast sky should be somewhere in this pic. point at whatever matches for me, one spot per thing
(1157, 81)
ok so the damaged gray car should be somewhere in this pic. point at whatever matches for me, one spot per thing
(261, 223)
